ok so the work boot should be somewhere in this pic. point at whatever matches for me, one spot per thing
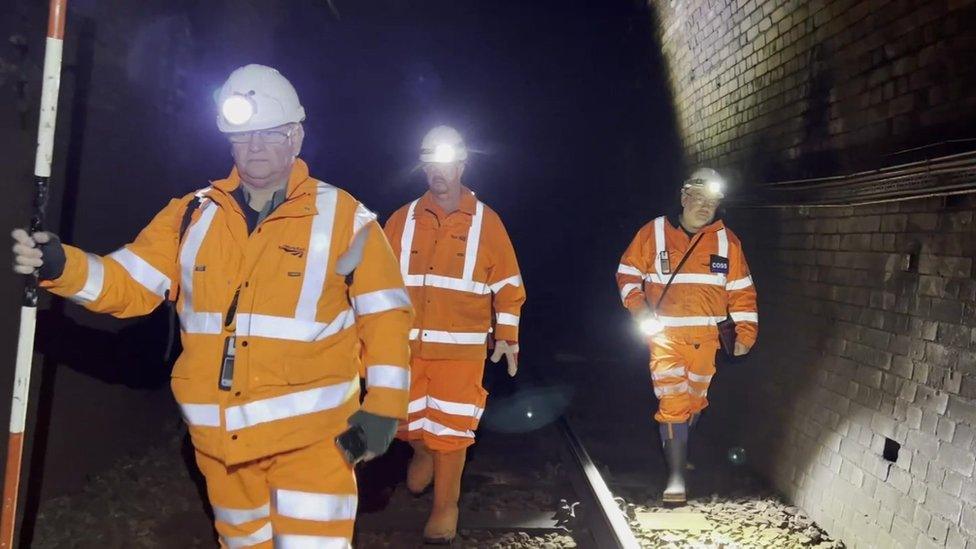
(675, 438)
(420, 472)
(441, 527)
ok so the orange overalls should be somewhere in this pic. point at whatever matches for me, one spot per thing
(457, 267)
(302, 334)
(713, 282)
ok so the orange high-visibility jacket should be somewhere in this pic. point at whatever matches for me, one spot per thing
(713, 282)
(458, 267)
(302, 330)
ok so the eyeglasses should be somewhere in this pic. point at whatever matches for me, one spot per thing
(698, 199)
(268, 137)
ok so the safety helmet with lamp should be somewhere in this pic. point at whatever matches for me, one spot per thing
(256, 97)
(443, 145)
(708, 180)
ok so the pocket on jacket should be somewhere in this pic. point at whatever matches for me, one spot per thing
(299, 371)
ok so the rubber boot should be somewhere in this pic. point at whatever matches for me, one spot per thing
(420, 472)
(441, 528)
(675, 439)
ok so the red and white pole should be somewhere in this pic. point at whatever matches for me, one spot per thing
(28, 312)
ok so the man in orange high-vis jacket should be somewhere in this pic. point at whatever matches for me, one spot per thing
(459, 266)
(713, 284)
(286, 288)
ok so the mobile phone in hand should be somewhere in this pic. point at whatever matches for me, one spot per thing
(352, 444)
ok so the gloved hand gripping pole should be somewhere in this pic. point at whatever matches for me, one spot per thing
(28, 313)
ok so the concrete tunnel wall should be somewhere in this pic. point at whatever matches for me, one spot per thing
(855, 347)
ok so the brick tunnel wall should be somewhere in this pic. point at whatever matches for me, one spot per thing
(868, 312)
(807, 88)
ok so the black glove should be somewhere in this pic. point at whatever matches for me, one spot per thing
(54, 259)
(379, 430)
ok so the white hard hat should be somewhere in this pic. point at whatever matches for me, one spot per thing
(710, 180)
(443, 145)
(256, 97)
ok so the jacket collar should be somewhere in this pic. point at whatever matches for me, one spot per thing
(298, 200)
(298, 181)
(674, 219)
(467, 205)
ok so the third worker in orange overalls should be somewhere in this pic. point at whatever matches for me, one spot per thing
(463, 279)
(679, 304)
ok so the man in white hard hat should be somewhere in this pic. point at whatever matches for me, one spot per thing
(685, 280)
(459, 265)
(286, 289)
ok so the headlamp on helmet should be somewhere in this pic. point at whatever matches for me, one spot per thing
(443, 145)
(709, 181)
(238, 109)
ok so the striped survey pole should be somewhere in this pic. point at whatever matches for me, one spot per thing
(28, 312)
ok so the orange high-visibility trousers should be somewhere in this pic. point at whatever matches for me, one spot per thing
(302, 498)
(446, 403)
(681, 371)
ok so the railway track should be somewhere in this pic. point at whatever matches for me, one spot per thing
(533, 489)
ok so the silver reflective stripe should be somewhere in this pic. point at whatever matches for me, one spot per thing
(414, 334)
(201, 323)
(262, 535)
(658, 245)
(391, 377)
(456, 338)
(438, 429)
(413, 280)
(677, 388)
(296, 541)
(455, 408)
(380, 301)
(689, 278)
(669, 374)
(723, 243)
(361, 218)
(142, 272)
(745, 317)
(739, 284)
(201, 415)
(292, 329)
(93, 283)
(406, 239)
(697, 378)
(191, 321)
(625, 291)
(315, 506)
(240, 516)
(514, 280)
(508, 319)
(474, 239)
(289, 406)
(447, 283)
(317, 261)
(696, 392)
(417, 405)
(628, 270)
(685, 321)
(350, 259)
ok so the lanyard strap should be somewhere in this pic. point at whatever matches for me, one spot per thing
(678, 268)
